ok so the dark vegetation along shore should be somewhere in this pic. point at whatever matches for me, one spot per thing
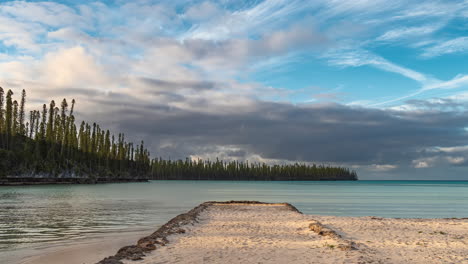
(48, 147)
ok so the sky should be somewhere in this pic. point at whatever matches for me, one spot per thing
(377, 86)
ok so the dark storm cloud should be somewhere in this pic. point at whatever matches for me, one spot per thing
(327, 133)
(176, 85)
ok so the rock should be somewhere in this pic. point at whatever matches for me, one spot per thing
(110, 260)
(179, 231)
(130, 252)
(147, 245)
(322, 230)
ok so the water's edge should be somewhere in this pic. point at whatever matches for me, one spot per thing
(18, 181)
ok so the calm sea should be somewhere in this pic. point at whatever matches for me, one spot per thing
(32, 215)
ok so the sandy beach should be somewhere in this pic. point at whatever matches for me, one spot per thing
(278, 233)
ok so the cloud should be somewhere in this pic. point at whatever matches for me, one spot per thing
(19, 35)
(429, 85)
(203, 11)
(457, 160)
(238, 53)
(266, 15)
(359, 9)
(360, 57)
(456, 45)
(382, 167)
(453, 149)
(430, 9)
(456, 82)
(408, 32)
(344, 135)
(159, 84)
(47, 13)
(357, 58)
(72, 67)
(296, 37)
(421, 163)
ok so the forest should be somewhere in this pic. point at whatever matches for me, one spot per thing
(49, 144)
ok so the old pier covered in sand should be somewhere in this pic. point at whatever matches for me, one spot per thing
(254, 232)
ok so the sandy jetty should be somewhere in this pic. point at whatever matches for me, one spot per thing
(253, 232)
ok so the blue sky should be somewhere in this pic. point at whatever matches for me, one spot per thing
(400, 62)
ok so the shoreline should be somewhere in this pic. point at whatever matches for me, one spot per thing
(221, 226)
(32, 181)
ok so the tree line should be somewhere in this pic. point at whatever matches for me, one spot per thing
(50, 144)
(245, 171)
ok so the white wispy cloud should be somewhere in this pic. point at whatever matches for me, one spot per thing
(458, 81)
(20, 35)
(359, 8)
(408, 32)
(456, 45)
(45, 13)
(359, 57)
(430, 9)
(265, 15)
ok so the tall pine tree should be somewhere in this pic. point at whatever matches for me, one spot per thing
(8, 118)
(22, 128)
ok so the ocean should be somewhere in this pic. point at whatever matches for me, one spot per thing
(48, 215)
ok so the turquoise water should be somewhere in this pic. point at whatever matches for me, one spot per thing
(32, 215)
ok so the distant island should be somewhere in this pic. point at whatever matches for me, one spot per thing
(51, 148)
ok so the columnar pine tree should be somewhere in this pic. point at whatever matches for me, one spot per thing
(22, 128)
(49, 134)
(42, 132)
(37, 118)
(15, 127)
(2, 99)
(2, 119)
(32, 120)
(8, 118)
(64, 128)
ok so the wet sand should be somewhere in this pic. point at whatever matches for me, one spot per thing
(83, 251)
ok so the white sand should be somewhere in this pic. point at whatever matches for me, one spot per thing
(405, 240)
(240, 233)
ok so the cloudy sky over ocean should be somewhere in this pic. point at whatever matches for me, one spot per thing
(379, 86)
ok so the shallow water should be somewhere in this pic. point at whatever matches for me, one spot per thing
(49, 215)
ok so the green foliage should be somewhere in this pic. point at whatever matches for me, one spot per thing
(54, 146)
